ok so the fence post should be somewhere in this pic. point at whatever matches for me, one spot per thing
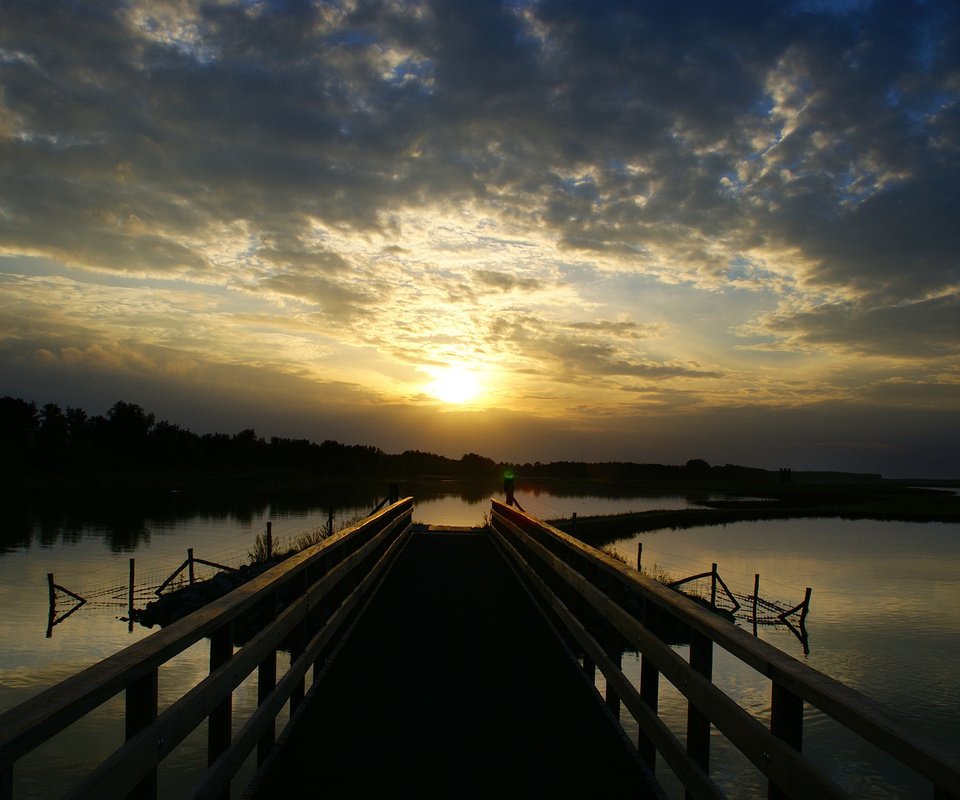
(713, 585)
(756, 597)
(130, 595)
(786, 723)
(639, 556)
(269, 540)
(141, 710)
(806, 606)
(52, 616)
(190, 564)
(698, 724)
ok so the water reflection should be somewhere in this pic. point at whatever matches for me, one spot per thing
(126, 520)
(884, 619)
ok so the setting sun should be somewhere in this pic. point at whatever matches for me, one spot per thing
(454, 385)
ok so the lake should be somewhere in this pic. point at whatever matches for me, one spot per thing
(885, 615)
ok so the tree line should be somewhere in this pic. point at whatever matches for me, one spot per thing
(48, 440)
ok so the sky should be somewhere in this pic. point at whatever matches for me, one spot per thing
(569, 229)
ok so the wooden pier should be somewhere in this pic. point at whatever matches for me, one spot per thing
(457, 662)
(427, 688)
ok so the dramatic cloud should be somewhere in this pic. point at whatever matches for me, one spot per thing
(596, 207)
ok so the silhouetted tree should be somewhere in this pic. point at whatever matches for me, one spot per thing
(174, 447)
(697, 467)
(473, 465)
(125, 435)
(53, 438)
(18, 426)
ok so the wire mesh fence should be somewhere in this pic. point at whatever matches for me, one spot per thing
(140, 587)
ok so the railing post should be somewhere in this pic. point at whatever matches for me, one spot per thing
(613, 649)
(590, 669)
(190, 564)
(698, 724)
(650, 694)
(269, 540)
(713, 586)
(141, 710)
(786, 722)
(297, 644)
(266, 681)
(221, 718)
(612, 698)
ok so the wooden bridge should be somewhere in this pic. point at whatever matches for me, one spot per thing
(456, 662)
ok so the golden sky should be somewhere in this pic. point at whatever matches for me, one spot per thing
(534, 230)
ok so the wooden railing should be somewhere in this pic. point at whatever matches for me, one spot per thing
(605, 607)
(321, 586)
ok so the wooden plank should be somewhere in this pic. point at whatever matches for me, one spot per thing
(770, 755)
(31, 723)
(860, 714)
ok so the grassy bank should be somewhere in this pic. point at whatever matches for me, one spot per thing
(879, 501)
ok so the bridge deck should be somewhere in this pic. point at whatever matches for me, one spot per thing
(453, 685)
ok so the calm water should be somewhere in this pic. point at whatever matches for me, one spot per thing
(885, 618)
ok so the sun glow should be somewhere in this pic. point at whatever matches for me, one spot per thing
(454, 385)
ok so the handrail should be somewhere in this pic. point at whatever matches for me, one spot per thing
(321, 574)
(593, 577)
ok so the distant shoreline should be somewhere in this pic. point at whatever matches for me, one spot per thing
(881, 502)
